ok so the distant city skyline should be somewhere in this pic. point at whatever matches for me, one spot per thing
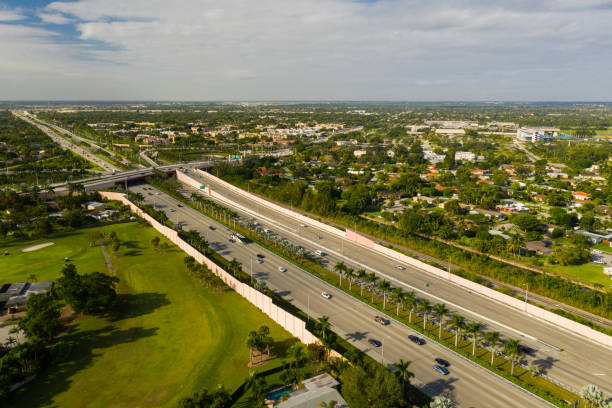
(311, 50)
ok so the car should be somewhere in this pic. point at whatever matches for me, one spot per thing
(442, 362)
(416, 340)
(261, 256)
(441, 369)
(302, 225)
(211, 228)
(374, 342)
(381, 320)
(326, 295)
(180, 205)
(400, 267)
(172, 210)
(267, 231)
(259, 261)
(282, 269)
(319, 252)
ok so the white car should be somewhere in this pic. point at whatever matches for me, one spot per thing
(319, 252)
(282, 269)
(326, 295)
(597, 251)
(259, 261)
(400, 267)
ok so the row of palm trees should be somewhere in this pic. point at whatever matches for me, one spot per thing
(456, 322)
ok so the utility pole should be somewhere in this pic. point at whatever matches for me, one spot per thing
(526, 294)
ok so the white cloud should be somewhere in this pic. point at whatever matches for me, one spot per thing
(11, 15)
(337, 49)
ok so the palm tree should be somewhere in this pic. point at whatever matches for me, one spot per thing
(458, 323)
(350, 275)
(340, 267)
(441, 401)
(257, 383)
(324, 324)
(403, 373)
(361, 275)
(384, 286)
(474, 329)
(330, 404)
(411, 301)
(234, 266)
(513, 353)
(372, 278)
(441, 311)
(592, 395)
(425, 307)
(252, 343)
(296, 351)
(515, 243)
(397, 295)
(492, 338)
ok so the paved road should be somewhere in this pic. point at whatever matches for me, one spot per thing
(468, 384)
(66, 144)
(579, 361)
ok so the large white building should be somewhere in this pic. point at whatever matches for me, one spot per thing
(541, 134)
(467, 156)
(433, 157)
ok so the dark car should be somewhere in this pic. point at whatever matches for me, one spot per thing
(260, 256)
(375, 343)
(441, 369)
(180, 205)
(381, 320)
(442, 362)
(211, 227)
(416, 340)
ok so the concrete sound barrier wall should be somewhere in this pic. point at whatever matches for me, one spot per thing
(291, 323)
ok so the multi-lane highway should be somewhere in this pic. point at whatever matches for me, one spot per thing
(565, 356)
(468, 384)
(67, 144)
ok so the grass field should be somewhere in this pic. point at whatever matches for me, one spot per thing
(590, 273)
(166, 338)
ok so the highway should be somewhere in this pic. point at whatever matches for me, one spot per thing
(468, 384)
(572, 360)
(66, 144)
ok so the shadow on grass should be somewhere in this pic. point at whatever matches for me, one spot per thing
(279, 348)
(127, 306)
(57, 377)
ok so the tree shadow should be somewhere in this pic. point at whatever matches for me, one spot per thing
(442, 386)
(356, 336)
(127, 305)
(545, 364)
(56, 378)
(284, 293)
(279, 348)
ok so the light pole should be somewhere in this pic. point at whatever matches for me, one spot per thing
(526, 294)
(251, 270)
(308, 310)
(383, 349)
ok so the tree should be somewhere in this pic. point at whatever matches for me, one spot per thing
(340, 267)
(42, 318)
(219, 398)
(526, 222)
(261, 285)
(513, 353)
(350, 275)
(296, 352)
(475, 330)
(425, 307)
(458, 323)
(361, 276)
(384, 286)
(372, 278)
(397, 295)
(492, 338)
(402, 373)
(252, 343)
(592, 395)
(90, 293)
(411, 302)
(441, 311)
(371, 387)
(323, 324)
(441, 401)
(257, 384)
(329, 404)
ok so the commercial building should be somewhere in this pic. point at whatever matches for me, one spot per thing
(533, 135)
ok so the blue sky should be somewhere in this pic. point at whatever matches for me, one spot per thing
(306, 50)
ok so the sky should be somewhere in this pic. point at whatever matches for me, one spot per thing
(406, 50)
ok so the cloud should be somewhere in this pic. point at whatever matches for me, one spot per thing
(332, 49)
(10, 15)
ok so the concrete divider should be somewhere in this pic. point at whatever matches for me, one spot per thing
(291, 323)
(533, 310)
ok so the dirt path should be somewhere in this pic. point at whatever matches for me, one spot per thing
(109, 264)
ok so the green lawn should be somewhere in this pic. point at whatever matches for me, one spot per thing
(603, 247)
(590, 273)
(167, 337)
